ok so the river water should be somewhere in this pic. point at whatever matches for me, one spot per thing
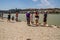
(52, 19)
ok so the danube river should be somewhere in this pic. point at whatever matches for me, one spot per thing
(52, 19)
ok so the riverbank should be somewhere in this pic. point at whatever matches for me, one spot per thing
(20, 31)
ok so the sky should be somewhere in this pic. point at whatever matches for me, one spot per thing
(22, 4)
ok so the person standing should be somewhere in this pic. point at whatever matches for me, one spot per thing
(9, 17)
(17, 16)
(45, 18)
(31, 18)
(36, 18)
(2, 15)
(28, 18)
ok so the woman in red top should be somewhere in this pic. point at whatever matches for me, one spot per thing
(16, 16)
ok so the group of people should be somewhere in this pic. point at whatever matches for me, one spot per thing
(9, 17)
(29, 17)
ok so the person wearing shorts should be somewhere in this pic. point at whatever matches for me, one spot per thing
(9, 17)
(31, 18)
(36, 18)
(45, 18)
(16, 16)
(28, 18)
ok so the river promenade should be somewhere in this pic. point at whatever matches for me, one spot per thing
(20, 31)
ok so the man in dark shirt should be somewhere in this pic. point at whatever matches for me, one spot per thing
(45, 18)
(9, 17)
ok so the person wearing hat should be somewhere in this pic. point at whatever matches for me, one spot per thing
(45, 18)
(28, 18)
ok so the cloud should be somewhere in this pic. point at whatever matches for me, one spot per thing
(34, 0)
(45, 3)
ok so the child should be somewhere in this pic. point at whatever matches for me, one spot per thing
(12, 18)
